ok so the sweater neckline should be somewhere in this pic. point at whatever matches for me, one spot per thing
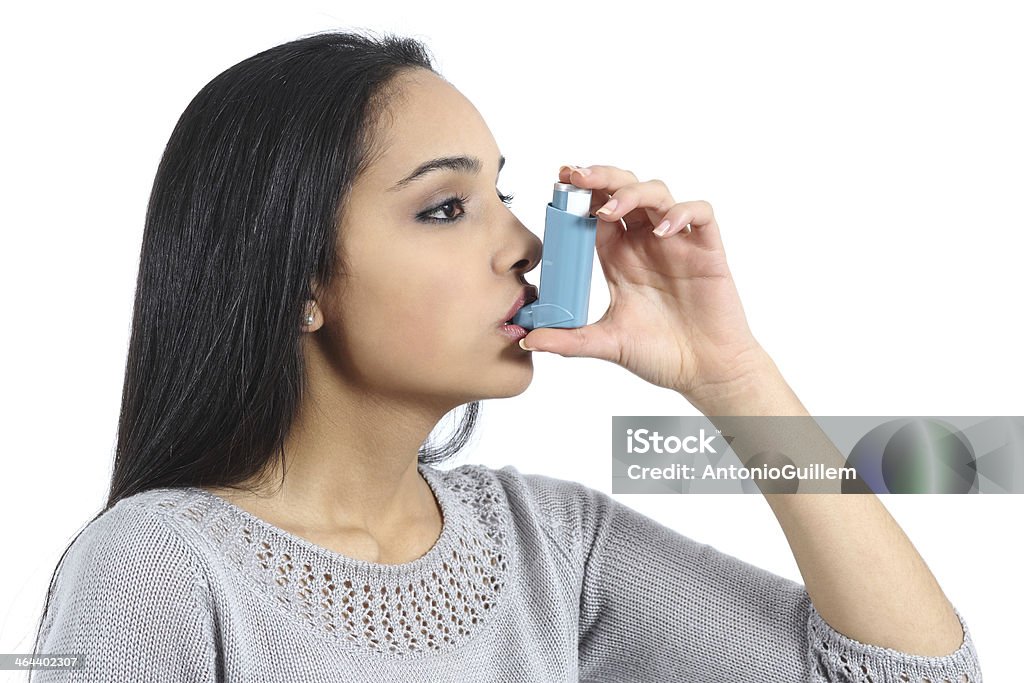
(439, 601)
(345, 564)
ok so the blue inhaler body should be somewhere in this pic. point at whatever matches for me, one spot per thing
(567, 262)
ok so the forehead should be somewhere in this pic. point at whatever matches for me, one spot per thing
(426, 118)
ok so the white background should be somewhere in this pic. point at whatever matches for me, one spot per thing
(864, 163)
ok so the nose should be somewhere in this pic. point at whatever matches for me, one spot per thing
(528, 247)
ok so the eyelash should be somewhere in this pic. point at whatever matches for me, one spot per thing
(461, 200)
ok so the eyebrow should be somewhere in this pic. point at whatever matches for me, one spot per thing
(460, 164)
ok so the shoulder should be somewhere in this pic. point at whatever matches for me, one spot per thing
(132, 596)
(133, 546)
(569, 511)
(565, 499)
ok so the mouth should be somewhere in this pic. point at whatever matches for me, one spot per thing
(527, 296)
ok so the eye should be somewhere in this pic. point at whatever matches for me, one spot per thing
(455, 200)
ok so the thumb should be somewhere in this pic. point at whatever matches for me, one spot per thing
(590, 341)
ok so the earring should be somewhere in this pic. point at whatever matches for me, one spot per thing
(309, 319)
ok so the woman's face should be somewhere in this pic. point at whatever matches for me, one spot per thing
(428, 279)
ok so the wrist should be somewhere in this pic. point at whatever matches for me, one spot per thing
(757, 388)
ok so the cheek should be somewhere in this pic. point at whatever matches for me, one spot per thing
(436, 314)
(414, 318)
(446, 326)
(416, 324)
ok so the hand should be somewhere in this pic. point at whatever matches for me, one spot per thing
(675, 317)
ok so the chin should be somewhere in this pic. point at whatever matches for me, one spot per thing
(494, 383)
(503, 383)
(517, 381)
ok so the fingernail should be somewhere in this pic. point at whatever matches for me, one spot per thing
(608, 207)
(663, 228)
(565, 167)
(583, 171)
(523, 346)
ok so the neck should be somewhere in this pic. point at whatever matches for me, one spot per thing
(351, 462)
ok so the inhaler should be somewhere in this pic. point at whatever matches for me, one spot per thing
(567, 262)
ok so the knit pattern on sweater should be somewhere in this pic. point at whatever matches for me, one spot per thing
(531, 579)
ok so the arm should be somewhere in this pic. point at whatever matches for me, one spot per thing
(675, 320)
(655, 605)
(898, 604)
(131, 599)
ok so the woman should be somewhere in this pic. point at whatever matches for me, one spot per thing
(325, 269)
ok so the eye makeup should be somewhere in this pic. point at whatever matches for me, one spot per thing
(455, 200)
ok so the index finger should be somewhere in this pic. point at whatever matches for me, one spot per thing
(603, 181)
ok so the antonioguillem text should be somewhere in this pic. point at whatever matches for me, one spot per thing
(678, 471)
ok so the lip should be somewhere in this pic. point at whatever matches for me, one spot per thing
(527, 295)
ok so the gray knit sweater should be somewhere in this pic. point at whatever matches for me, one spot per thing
(532, 579)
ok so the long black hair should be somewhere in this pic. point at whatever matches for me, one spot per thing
(242, 221)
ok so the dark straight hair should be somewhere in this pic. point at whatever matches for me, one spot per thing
(242, 220)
